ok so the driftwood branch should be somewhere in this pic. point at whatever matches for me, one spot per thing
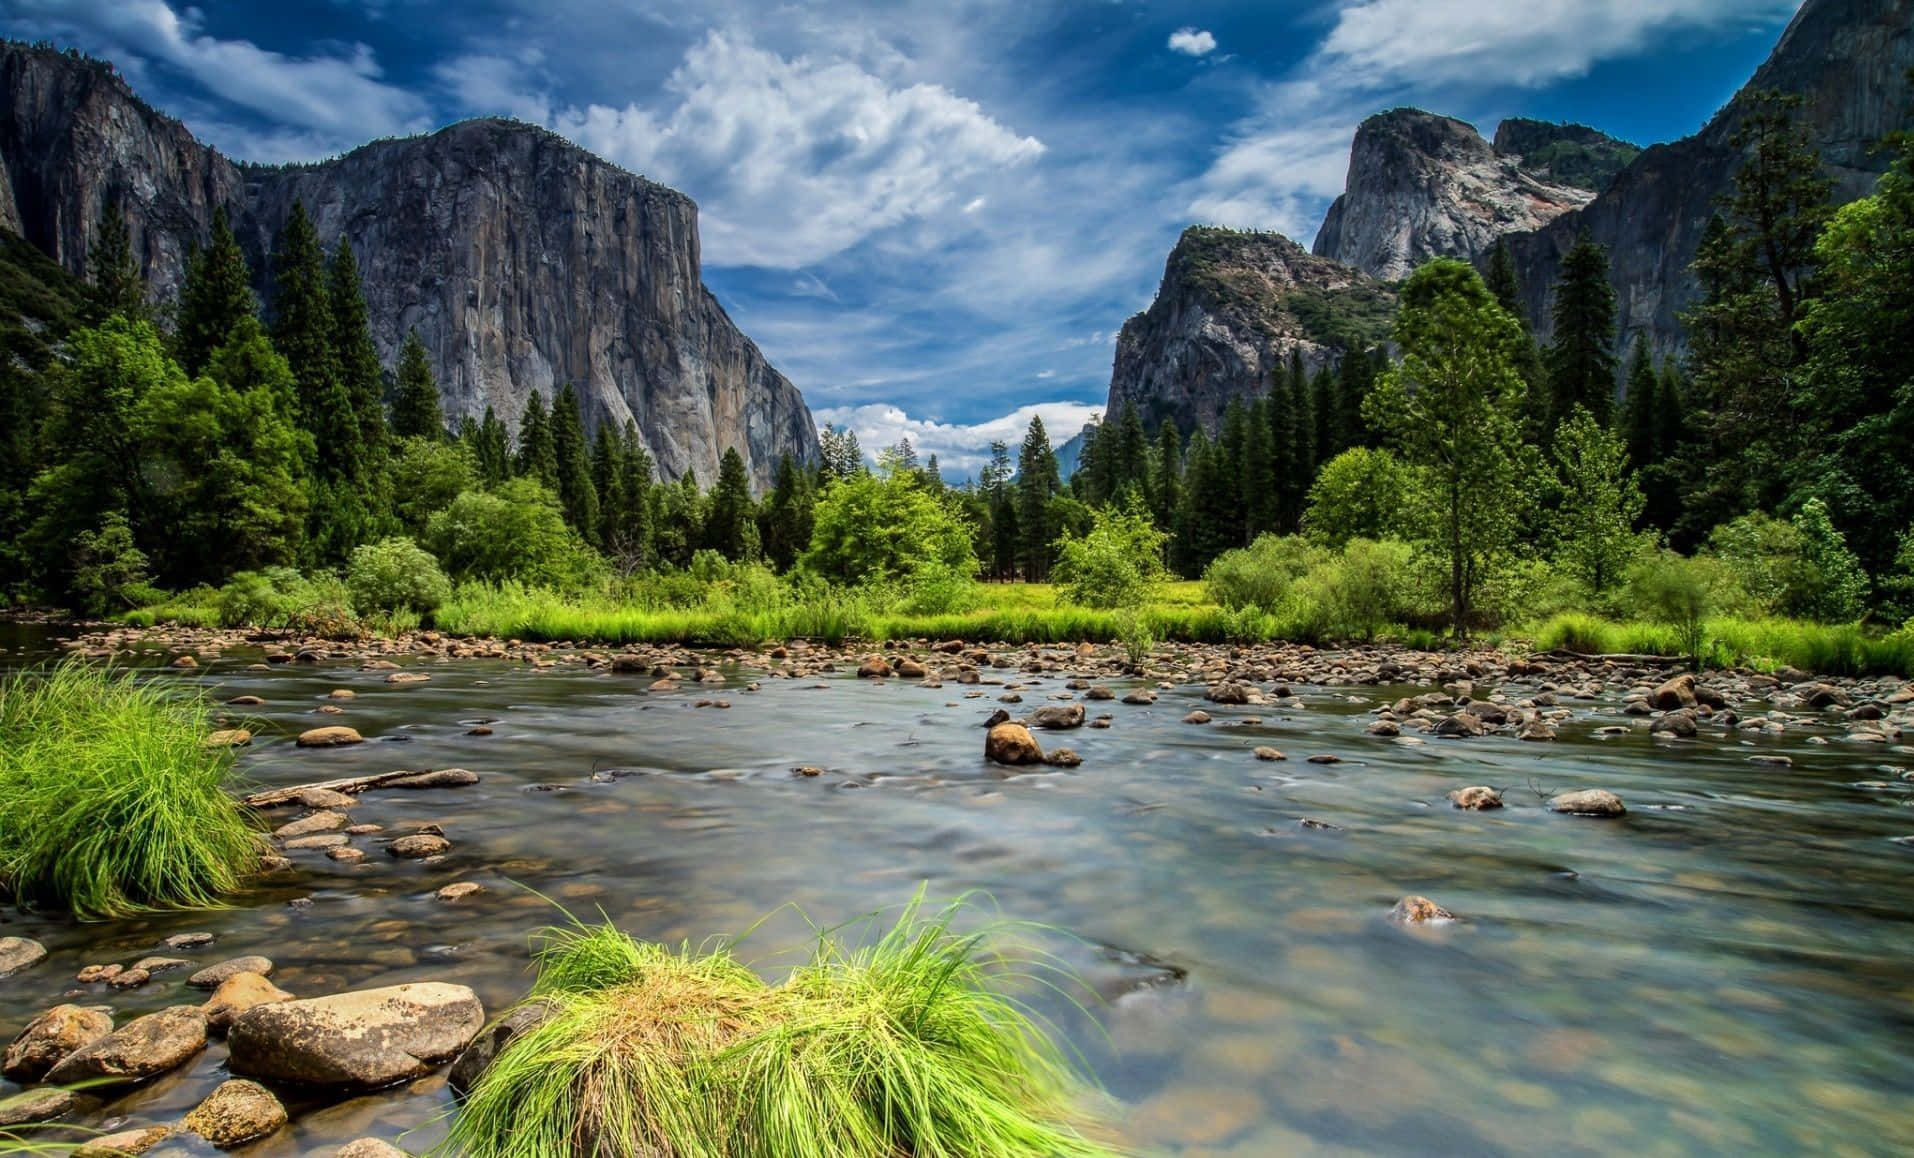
(1614, 657)
(354, 785)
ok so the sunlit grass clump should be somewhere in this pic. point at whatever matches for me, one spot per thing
(901, 1049)
(109, 801)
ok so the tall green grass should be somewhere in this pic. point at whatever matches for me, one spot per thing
(1764, 644)
(109, 801)
(900, 1048)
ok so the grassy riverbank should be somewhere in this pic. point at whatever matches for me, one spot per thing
(110, 801)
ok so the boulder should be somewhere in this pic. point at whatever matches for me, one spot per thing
(1232, 692)
(873, 668)
(335, 736)
(1589, 802)
(1010, 743)
(1477, 798)
(50, 1038)
(215, 975)
(1267, 753)
(227, 738)
(235, 1113)
(1459, 726)
(42, 1105)
(1058, 717)
(419, 846)
(237, 994)
(364, 1040)
(1198, 716)
(17, 953)
(325, 820)
(1414, 910)
(1678, 724)
(142, 1048)
(1536, 731)
(1675, 694)
(1063, 758)
(458, 891)
(476, 1057)
(370, 1148)
(1384, 728)
(911, 669)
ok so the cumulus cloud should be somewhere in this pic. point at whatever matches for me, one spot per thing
(317, 104)
(1192, 42)
(961, 450)
(793, 159)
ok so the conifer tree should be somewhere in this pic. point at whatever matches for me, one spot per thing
(1232, 448)
(1259, 478)
(1504, 283)
(302, 331)
(631, 540)
(1166, 476)
(1001, 503)
(1581, 355)
(1638, 407)
(731, 522)
(572, 458)
(114, 269)
(537, 456)
(358, 360)
(787, 518)
(1037, 481)
(415, 404)
(608, 481)
(215, 296)
(1356, 377)
(1325, 410)
(1300, 428)
(1132, 454)
(493, 452)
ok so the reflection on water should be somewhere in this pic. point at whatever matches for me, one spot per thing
(1725, 970)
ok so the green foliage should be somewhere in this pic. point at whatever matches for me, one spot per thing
(1581, 355)
(1359, 494)
(119, 288)
(1843, 587)
(1673, 591)
(427, 474)
(1594, 528)
(898, 1047)
(395, 575)
(573, 463)
(1800, 568)
(109, 572)
(537, 455)
(786, 519)
(415, 406)
(216, 296)
(731, 524)
(1450, 408)
(110, 802)
(1261, 574)
(282, 598)
(870, 529)
(1587, 161)
(1360, 313)
(360, 375)
(1117, 564)
(1037, 480)
(304, 333)
(514, 532)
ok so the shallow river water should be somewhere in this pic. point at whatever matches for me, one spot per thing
(1728, 969)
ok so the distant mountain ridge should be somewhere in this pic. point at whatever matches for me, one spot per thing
(524, 261)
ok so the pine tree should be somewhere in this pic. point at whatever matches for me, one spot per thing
(537, 456)
(114, 269)
(1001, 504)
(1503, 282)
(1638, 408)
(608, 481)
(786, 521)
(215, 296)
(493, 449)
(1356, 377)
(1037, 481)
(1232, 448)
(631, 541)
(1132, 457)
(1166, 476)
(731, 524)
(572, 459)
(1581, 356)
(1259, 475)
(303, 331)
(415, 405)
(1324, 409)
(358, 360)
(1300, 428)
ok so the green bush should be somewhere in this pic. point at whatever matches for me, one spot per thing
(109, 571)
(1360, 494)
(867, 529)
(1261, 574)
(516, 532)
(1841, 592)
(395, 575)
(282, 598)
(110, 801)
(1673, 591)
(1117, 563)
(1363, 591)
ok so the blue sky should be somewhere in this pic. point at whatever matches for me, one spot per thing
(933, 215)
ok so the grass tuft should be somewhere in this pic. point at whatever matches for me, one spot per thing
(109, 801)
(897, 1048)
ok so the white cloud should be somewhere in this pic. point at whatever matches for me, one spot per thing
(960, 449)
(318, 104)
(793, 159)
(1192, 42)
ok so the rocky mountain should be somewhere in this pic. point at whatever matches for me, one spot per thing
(523, 261)
(1423, 186)
(1848, 58)
(1231, 308)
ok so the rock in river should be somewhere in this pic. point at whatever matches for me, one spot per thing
(1476, 798)
(142, 1048)
(1589, 802)
(1012, 744)
(335, 736)
(213, 976)
(236, 1113)
(419, 847)
(365, 1040)
(236, 995)
(1414, 910)
(1058, 717)
(50, 1038)
(16, 953)
(1680, 724)
(42, 1105)
(370, 1148)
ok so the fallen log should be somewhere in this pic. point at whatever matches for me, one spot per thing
(354, 785)
(1611, 657)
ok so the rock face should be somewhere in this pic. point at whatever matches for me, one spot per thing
(1847, 58)
(363, 1040)
(1422, 186)
(1231, 308)
(523, 261)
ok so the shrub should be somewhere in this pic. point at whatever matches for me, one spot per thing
(282, 598)
(1769, 560)
(1841, 589)
(867, 529)
(1360, 494)
(1260, 574)
(1117, 563)
(1673, 591)
(109, 572)
(515, 532)
(1137, 638)
(110, 802)
(395, 575)
(1365, 590)
(901, 1048)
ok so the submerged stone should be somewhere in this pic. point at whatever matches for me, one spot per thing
(1589, 802)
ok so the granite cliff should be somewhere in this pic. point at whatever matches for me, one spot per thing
(1422, 186)
(1231, 308)
(524, 261)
